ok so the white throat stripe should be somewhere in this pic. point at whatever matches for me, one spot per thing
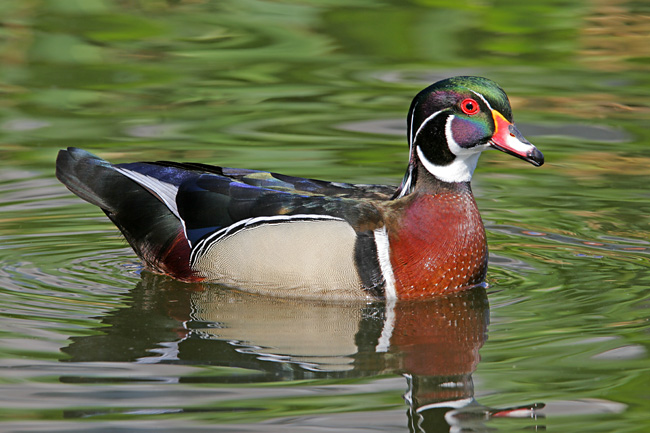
(460, 169)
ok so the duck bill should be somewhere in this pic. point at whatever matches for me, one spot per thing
(508, 139)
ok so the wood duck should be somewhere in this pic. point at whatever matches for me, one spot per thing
(288, 236)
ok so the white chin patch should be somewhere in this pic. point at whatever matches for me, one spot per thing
(461, 168)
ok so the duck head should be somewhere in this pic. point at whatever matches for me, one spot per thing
(452, 121)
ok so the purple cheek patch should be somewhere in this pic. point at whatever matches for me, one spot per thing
(468, 132)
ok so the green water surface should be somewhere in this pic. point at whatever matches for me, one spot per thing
(91, 343)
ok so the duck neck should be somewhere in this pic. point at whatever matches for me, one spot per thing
(420, 177)
(426, 183)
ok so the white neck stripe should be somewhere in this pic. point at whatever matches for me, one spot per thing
(406, 183)
(415, 137)
(411, 128)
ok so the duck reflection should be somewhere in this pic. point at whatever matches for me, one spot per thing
(434, 343)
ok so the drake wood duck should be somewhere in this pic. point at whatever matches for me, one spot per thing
(289, 236)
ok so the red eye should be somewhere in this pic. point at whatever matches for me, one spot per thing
(469, 106)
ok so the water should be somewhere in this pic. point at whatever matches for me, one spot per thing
(89, 342)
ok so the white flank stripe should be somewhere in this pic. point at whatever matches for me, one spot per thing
(383, 255)
(389, 325)
(206, 243)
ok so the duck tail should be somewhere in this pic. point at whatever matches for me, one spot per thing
(150, 225)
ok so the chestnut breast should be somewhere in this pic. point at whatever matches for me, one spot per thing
(439, 246)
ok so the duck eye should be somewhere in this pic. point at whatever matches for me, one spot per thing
(469, 106)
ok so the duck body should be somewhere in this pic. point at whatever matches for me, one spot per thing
(288, 236)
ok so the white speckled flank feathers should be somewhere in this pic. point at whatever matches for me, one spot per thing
(292, 257)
